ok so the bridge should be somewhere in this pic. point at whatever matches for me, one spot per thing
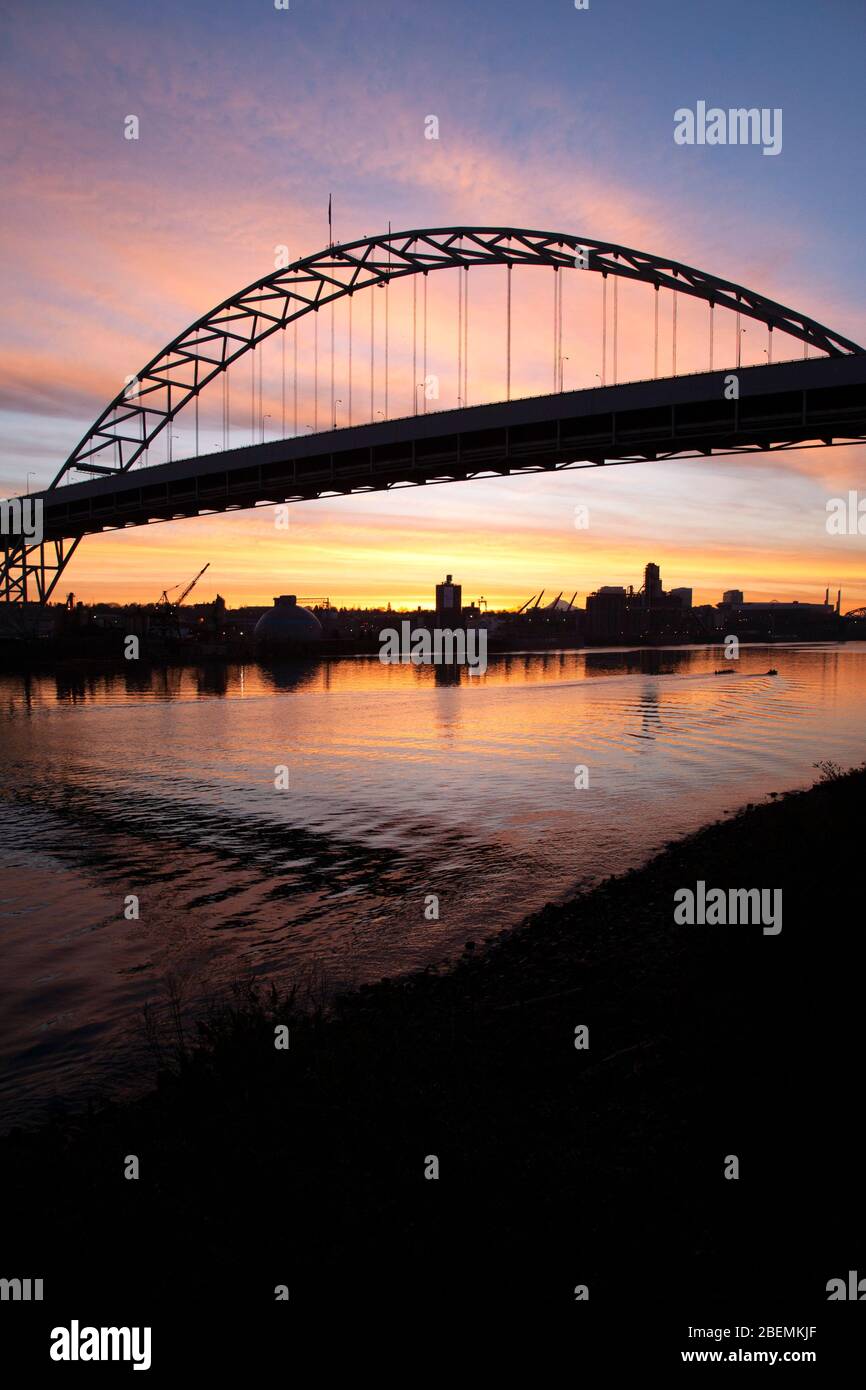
(805, 401)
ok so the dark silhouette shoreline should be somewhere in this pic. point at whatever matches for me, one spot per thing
(559, 1167)
(47, 657)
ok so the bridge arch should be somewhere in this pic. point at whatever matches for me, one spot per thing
(176, 375)
(180, 371)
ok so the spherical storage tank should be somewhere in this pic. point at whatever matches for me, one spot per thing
(287, 622)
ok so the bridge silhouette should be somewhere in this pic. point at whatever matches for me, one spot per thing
(817, 401)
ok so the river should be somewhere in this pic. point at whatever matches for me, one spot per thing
(407, 794)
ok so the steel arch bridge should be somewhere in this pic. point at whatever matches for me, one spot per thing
(177, 375)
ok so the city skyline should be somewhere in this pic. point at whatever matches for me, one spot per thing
(542, 596)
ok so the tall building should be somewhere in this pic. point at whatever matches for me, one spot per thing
(449, 599)
(615, 614)
(652, 585)
(733, 596)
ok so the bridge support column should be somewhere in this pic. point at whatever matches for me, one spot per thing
(29, 573)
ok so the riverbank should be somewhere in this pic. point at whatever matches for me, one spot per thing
(47, 656)
(558, 1166)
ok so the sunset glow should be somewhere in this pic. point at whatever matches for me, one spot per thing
(111, 246)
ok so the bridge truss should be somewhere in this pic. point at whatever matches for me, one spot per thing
(148, 404)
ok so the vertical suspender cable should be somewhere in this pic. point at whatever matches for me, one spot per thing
(656, 333)
(425, 342)
(603, 328)
(466, 335)
(769, 343)
(558, 330)
(555, 324)
(350, 356)
(459, 336)
(372, 350)
(253, 396)
(615, 327)
(283, 354)
(558, 349)
(712, 313)
(739, 338)
(316, 370)
(333, 406)
(387, 290)
(295, 381)
(387, 294)
(416, 351)
(561, 331)
(508, 334)
(674, 335)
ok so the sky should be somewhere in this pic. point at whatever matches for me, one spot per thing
(548, 117)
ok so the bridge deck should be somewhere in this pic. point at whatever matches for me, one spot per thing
(817, 401)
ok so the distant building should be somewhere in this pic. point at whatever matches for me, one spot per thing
(777, 621)
(287, 622)
(607, 613)
(732, 596)
(449, 600)
(616, 614)
(652, 586)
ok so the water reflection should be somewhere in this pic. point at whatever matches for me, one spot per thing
(293, 674)
(404, 781)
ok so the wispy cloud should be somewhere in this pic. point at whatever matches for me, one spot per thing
(109, 247)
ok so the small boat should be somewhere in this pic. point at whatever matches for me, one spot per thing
(772, 671)
(725, 671)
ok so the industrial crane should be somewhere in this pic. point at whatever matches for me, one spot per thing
(534, 601)
(167, 623)
(166, 602)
